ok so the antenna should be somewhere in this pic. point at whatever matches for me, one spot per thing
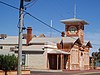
(74, 8)
(51, 29)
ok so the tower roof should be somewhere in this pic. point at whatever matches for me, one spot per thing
(73, 21)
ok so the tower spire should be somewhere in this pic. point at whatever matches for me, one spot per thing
(74, 8)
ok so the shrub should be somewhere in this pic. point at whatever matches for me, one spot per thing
(8, 62)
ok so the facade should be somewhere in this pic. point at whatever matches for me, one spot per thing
(69, 52)
(75, 28)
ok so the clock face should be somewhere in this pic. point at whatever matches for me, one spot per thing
(72, 30)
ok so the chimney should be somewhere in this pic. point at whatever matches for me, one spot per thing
(63, 34)
(29, 35)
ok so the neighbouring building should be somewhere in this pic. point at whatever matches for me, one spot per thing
(69, 52)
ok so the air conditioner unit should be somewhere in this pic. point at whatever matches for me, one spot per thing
(16, 46)
(12, 48)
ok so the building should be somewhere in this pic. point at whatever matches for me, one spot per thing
(80, 53)
(69, 52)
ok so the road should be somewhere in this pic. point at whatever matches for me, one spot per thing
(67, 73)
(92, 74)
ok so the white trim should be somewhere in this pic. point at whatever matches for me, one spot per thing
(56, 51)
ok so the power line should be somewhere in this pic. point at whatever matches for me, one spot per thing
(9, 5)
(43, 22)
(39, 20)
(96, 44)
(31, 16)
(30, 4)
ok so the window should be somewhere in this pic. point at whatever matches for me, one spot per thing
(23, 59)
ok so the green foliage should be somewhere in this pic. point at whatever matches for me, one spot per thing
(96, 56)
(99, 49)
(8, 62)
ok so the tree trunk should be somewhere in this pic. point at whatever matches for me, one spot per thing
(6, 73)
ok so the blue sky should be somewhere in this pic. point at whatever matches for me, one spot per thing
(88, 10)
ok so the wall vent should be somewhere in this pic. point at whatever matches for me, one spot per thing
(12, 48)
(1, 47)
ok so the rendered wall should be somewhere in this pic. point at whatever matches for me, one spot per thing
(37, 61)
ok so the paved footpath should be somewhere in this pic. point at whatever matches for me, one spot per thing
(60, 72)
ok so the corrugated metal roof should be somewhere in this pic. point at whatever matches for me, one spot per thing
(14, 40)
(11, 40)
(54, 40)
(69, 39)
(36, 47)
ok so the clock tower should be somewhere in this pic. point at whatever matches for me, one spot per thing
(75, 28)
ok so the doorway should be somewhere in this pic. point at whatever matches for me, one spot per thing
(56, 63)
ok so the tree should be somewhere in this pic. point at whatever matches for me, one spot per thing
(8, 62)
(96, 57)
(99, 49)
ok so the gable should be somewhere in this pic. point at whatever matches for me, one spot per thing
(89, 44)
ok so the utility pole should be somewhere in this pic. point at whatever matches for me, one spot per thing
(20, 38)
(20, 35)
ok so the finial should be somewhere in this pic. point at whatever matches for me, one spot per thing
(74, 8)
(51, 29)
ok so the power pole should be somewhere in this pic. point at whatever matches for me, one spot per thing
(20, 38)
